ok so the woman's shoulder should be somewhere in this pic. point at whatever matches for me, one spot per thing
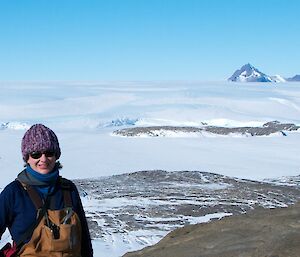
(12, 188)
(67, 184)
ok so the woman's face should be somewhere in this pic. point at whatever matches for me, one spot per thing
(43, 164)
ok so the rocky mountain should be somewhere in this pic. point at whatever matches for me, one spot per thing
(249, 73)
(269, 233)
(295, 78)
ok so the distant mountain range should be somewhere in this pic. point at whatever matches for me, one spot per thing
(249, 73)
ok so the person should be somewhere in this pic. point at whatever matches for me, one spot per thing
(43, 211)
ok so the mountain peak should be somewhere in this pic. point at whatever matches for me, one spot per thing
(248, 73)
(295, 78)
(248, 66)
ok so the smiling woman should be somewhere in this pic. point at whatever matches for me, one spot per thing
(42, 210)
(40, 149)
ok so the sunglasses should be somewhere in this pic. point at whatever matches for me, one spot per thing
(37, 155)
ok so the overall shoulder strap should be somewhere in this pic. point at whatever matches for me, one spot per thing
(66, 186)
(30, 230)
(34, 195)
(41, 208)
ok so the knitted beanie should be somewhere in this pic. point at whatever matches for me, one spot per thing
(39, 138)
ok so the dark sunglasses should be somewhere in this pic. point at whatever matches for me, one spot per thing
(37, 155)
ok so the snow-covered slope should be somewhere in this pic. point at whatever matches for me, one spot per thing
(84, 115)
(277, 78)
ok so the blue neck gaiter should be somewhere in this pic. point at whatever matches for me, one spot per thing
(46, 182)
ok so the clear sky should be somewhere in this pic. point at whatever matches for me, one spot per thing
(147, 39)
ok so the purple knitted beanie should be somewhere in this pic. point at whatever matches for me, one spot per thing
(39, 138)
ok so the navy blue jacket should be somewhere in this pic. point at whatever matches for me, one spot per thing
(17, 212)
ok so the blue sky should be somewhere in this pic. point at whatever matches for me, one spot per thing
(147, 39)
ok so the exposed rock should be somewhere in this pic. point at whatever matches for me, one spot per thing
(142, 207)
(154, 131)
(260, 233)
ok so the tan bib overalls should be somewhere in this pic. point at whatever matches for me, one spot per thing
(58, 234)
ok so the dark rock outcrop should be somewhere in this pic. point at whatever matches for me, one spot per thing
(155, 131)
(260, 233)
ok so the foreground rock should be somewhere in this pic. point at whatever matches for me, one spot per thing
(260, 233)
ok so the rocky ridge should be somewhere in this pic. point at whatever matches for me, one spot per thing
(154, 131)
